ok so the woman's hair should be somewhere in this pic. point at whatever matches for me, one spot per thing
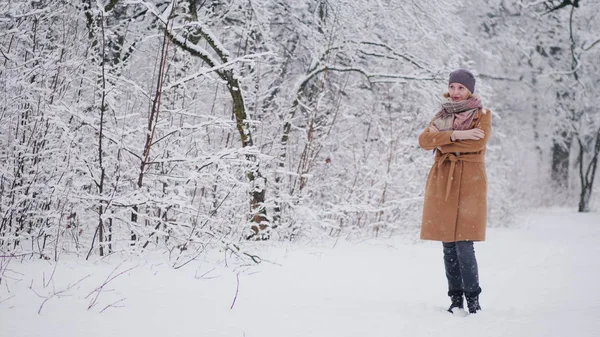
(447, 94)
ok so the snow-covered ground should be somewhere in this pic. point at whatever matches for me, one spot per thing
(540, 279)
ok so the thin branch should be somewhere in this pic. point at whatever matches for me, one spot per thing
(500, 78)
(403, 77)
(108, 279)
(6, 57)
(575, 61)
(197, 51)
(16, 255)
(55, 293)
(369, 76)
(194, 229)
(212, 42)
(564, 3)
(112, 305)
(216, 68)
(591, 46)
(395, 53)
(527, 5)
(255, 258)
(6, 299)
(237, 289)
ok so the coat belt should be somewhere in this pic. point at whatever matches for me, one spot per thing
(453, 158)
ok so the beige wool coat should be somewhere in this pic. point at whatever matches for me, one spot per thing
(455, 206)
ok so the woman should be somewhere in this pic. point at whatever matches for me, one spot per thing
(455, 208)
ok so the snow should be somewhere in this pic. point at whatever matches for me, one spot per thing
(164, 17)
(538, 279)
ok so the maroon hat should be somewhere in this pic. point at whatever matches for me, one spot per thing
(463, 77)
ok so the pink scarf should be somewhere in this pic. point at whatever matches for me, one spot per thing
(446, 120)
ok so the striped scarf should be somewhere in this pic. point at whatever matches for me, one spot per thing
(444, 120)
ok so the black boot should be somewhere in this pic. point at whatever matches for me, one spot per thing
(473, 301)
(456, 298)
(473, 304)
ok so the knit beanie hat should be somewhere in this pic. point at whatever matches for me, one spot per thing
(463, 77)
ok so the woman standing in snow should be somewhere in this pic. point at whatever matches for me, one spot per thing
(455, 208)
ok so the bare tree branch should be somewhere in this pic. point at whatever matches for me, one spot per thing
(564, 3)
(591, 46)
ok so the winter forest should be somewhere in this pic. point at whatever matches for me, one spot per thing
(180, 125)
(184, 127)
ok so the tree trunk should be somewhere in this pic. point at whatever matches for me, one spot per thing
(587, 178)
(100, 183)
(151, 127)
(561, 150)
(260, 227)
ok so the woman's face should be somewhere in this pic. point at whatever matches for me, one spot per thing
(458, 92)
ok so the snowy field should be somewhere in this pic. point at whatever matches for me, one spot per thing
(540, 279)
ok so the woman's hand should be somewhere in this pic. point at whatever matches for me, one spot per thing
(472, 134)
(433, 128)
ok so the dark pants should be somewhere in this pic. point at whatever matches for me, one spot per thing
(461, 268)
